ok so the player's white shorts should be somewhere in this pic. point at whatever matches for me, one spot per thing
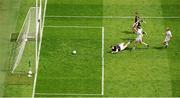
(138, 40)
(167, 39)
(121, 46)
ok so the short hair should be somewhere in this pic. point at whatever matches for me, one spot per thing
(136, 13)
(113, 48)
(167, 29)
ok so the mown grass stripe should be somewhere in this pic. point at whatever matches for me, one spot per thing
(70, 94)
(116, 17)
(51, 26)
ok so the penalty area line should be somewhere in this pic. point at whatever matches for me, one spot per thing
(102, 82)
(61, 94)
(50, 26)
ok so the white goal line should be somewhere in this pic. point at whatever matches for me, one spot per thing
(90, 27)
(117, 17)
(61, 94)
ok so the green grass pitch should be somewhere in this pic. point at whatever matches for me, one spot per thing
(69, 73)
(144, 72)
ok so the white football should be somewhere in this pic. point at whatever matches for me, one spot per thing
(26, 39)
(74, 52)
(29, 75)
(30, 72)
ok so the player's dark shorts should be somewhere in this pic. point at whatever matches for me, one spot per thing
(139, 24)
(118, 47)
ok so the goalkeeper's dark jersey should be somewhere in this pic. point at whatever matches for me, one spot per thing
(136, 18)
(136, 21)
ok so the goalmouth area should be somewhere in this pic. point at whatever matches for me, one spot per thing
(63, 73)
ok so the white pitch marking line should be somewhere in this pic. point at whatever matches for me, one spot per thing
(50, 26)
(37, 27)
(35, 79)
(117, 17)
(67, 94)
(102, 92)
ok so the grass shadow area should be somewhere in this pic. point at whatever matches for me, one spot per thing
(159, 48)
(127, 32)
(127, 39)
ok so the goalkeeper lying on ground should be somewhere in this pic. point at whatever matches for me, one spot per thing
(119, 47)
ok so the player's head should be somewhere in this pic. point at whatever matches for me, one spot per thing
(167, 29)
(113, 48)
(136, 13)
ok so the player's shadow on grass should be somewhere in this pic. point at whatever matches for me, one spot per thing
(127, 32)
(128, 49)
(159, 48)
(127, 39)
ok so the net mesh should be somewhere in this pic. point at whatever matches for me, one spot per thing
(26, 33)
(31, 29)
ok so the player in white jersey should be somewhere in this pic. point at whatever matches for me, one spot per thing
(139, 38)
(168, 37)
(119, 47)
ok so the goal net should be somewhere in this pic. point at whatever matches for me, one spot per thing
(31, 30)
(26, 34)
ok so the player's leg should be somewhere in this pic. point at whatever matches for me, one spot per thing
(144, 44)
(135, 44)
(137, 41)
(134, 28)
(166, 44)
(141, 41)
(125, 46)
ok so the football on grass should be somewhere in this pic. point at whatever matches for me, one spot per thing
(74, 52)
